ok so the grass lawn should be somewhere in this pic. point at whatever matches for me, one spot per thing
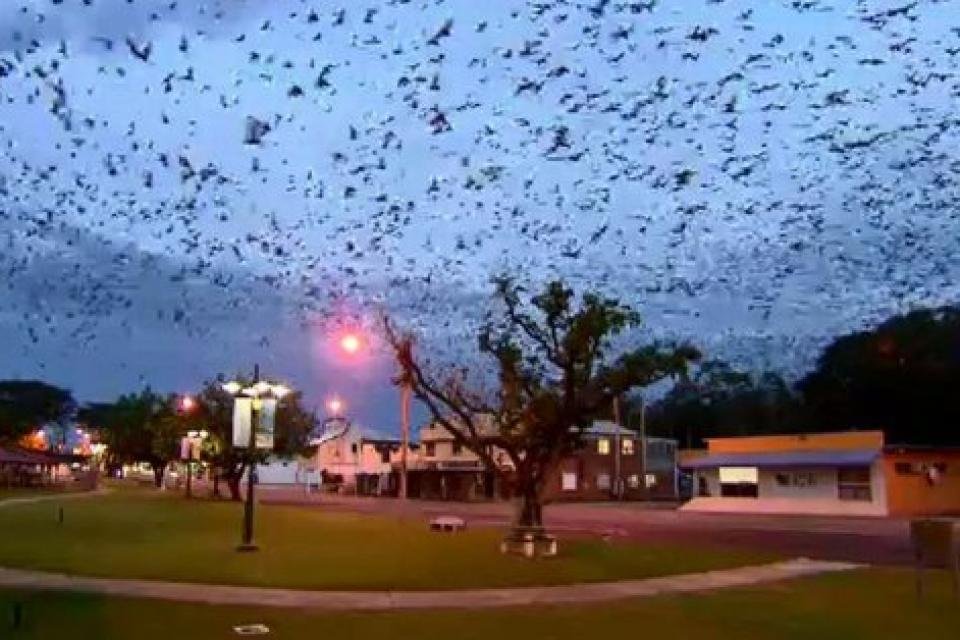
(30, 492)
(874, 603)
(147, 535)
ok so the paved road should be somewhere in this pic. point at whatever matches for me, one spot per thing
(391, 600)
(851, 539)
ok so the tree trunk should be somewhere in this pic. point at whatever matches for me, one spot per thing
(233, 483)
(233, 477)
(158, 469)
(530, 514)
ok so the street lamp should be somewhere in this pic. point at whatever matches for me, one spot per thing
(256, 392)
(335, 406)
(192, 442)
(350, 343)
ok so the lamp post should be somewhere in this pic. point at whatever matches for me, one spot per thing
(185, 405)
(194, 439)
(256, 392)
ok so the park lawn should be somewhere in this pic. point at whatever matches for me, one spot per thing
(871, 603)
(31, 492)
(148, 535)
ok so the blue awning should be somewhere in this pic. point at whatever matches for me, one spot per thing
(829, 458)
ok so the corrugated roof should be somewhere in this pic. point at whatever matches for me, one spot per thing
(826, 458)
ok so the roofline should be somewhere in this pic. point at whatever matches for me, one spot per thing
(907, 448)
(797, 435)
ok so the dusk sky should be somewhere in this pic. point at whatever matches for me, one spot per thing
(187, 188)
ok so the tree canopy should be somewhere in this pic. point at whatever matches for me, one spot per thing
(293, 424)
(557, 370)
(902, 377)
(26, 405)
(720, 400)
(143, 427)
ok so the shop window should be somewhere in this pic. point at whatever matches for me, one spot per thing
(854, 484)
(633, 481)
(739, 482)
(802, 479)
(651, 480)
(603, 481)
(603, 446)
(626, 447)
(568, 481)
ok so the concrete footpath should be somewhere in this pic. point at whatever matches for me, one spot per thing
(395, 600)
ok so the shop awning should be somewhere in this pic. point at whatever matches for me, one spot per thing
(829, 458)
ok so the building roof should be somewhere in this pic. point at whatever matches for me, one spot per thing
(610, 428)
(821, 458)
(23, 456)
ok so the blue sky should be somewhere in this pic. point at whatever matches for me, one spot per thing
(752, 176)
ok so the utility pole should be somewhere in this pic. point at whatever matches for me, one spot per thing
(405, 392)
(643, 444)
(617, 488)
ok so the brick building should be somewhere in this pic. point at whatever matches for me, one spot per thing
(612, 463)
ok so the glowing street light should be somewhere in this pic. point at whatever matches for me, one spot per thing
(350, 343)
(335, 405)
(233, 387)
(187, 404)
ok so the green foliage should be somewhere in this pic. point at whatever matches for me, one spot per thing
(144, 427)
(558, 369)
(718, 400)
(215, 411)
(902, 377)
(26, 405)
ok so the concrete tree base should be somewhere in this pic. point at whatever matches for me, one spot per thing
(529, 542)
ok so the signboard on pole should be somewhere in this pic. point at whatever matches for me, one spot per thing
(266, 423)
(242, 414)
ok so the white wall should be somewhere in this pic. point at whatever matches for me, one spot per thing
(820, 497)
(823, 487)
(280, 471)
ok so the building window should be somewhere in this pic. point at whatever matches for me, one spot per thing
(568, 481)
(651, 480)
(626, 446)
(739, 482)
(429, 449)
(633, 481)
(385, 455)
(918, 468)
(353, 448)
(906, 469)
(457, 448)
(603, 446)
(603, 481)
(854, 484)
(802, 479)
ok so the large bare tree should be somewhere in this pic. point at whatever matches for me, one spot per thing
(556, 373)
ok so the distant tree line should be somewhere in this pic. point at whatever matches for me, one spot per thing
(902, 377)
(147, 427)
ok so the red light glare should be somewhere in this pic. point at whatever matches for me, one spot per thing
(350, 343)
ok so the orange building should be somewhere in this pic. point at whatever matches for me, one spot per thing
(843, 473)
